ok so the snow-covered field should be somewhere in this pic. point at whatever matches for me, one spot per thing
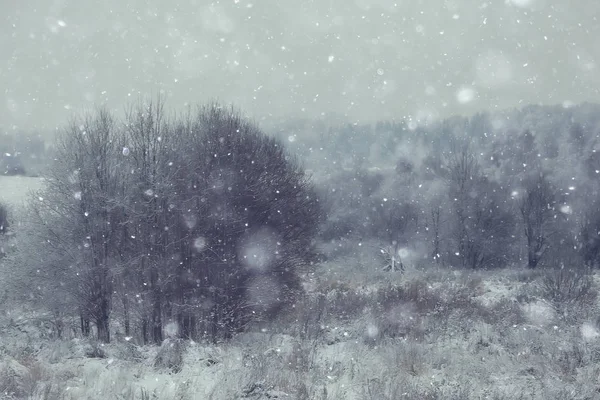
(433, 334)
(14, 189)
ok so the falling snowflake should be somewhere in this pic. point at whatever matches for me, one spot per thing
(199, 243)
(589, 332)
(465, 95)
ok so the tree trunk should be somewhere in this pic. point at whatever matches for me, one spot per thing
(145, 338)
(187, 324)
(59, 325)
(192, 327)
(157, 334)
(214, 326)
(182, 320)
(435, 225)
(103, 322)
(126, 315)
(532, 258)
(85, 325)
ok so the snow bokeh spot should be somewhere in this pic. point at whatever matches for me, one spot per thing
(200, 244)
(465, 95)
(539, 313)
(589, 332)
(372, 331)
(257, 250)
(520, 3)
(566, 209)
(190, 220)
(172, 330)
(403, 252)
(55, 25)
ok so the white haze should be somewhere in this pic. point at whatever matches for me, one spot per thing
(361, 60)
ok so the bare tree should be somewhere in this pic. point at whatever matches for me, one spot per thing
(537, 209)
(93, 148)
(392, 220)
(72, 220)
(435, 227)
(463, 172)
(148, 138)
(483, 225)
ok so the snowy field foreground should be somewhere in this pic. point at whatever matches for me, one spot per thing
(437, 334)
(15, 189)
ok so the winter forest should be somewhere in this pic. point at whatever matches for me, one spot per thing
(364, 200)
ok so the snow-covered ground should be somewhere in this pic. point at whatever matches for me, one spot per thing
(16, 188)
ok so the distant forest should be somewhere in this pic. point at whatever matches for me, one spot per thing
(492, 190)
(22, 153)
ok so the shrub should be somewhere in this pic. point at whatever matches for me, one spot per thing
(16, 381)
(170, 355)
(95, 350)
(412, 357)
(344, 302)
(567, 287)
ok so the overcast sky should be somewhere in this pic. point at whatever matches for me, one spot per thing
(363, 59)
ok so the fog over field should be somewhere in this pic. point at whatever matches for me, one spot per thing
(361, 60)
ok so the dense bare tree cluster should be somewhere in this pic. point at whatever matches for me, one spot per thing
(200, 221)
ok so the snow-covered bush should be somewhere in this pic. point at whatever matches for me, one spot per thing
(170, 355)
(566, 288)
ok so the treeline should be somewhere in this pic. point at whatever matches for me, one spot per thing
(519, 187)
(23, 153)
(197, 221)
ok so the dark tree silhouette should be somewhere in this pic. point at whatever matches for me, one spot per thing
(251, 215)
(463, 171)
(590, 236)
(72, 221)
(204, 220)
(4, 219)
(483, 226)
(537, 209)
